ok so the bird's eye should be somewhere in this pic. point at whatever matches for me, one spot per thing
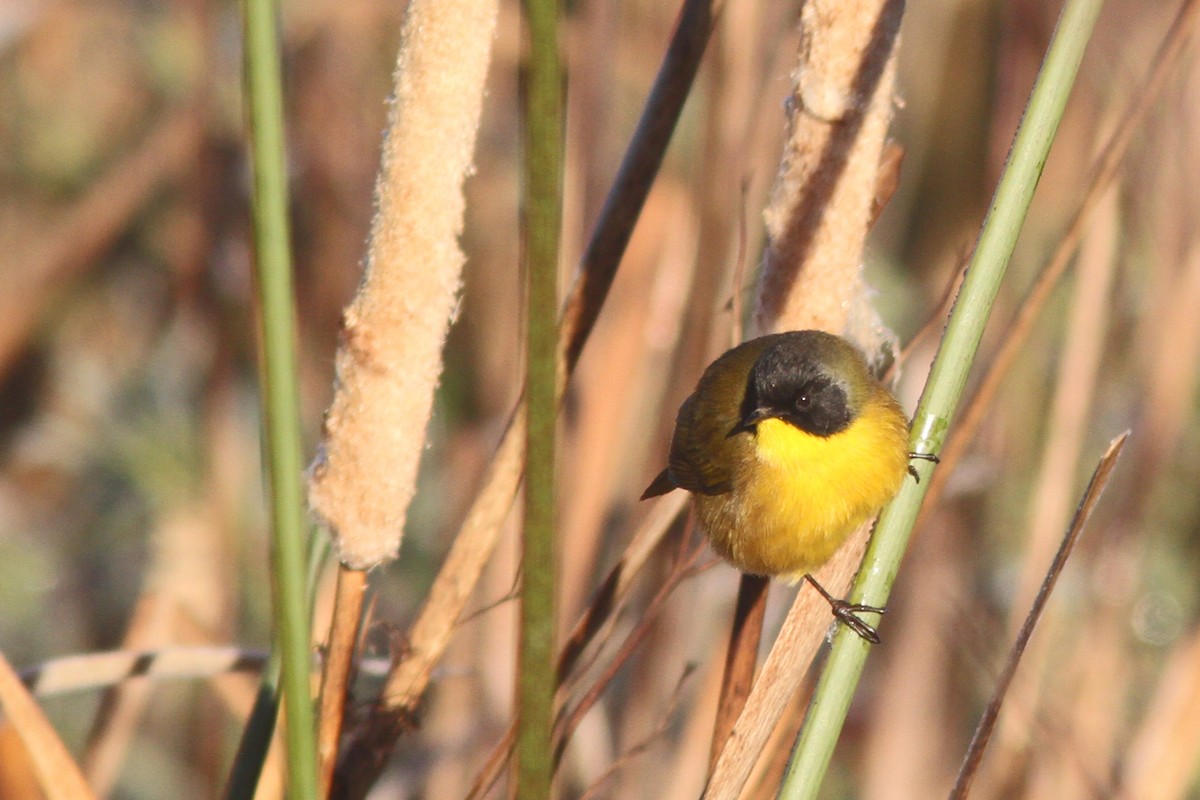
(803, 401)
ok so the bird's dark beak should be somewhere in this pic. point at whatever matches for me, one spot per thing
(748, 422)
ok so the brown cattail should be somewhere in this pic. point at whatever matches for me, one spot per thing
(390, 358)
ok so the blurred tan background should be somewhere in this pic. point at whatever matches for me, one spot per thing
(131, 506)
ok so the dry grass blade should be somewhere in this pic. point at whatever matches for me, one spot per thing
(646, 742)
(1165, 62)
(613, 592)
(987, 722)
(57, 772)
(568, 721)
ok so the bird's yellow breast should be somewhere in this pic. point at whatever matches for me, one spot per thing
(797, 496)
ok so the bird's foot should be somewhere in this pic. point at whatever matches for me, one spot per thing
(847, 613)
(924, 457)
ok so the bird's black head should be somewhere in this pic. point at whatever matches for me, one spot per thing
(806, 381)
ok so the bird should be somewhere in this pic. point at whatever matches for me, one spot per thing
(788, 444)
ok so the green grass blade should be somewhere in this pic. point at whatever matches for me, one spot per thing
(281, 416)
(543, 209)
(997, 239)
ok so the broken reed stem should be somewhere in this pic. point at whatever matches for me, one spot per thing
(987, 722)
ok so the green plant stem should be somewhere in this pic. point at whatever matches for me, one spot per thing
(543, 203)
(280, 401)
(827, 712)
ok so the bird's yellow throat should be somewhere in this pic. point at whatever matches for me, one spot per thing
(810, 492)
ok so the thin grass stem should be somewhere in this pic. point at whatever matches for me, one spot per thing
(280, 396)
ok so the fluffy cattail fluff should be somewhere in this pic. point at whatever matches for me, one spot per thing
(390, 357)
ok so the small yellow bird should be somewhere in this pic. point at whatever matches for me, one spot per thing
(787, 445)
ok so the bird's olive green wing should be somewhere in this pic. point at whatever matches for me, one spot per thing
(705, 451)
(694, 463)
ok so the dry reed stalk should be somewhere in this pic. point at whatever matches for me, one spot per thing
(16, 779)
(57, 773)
(768, 771)
(782, 672)
(822, 207)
